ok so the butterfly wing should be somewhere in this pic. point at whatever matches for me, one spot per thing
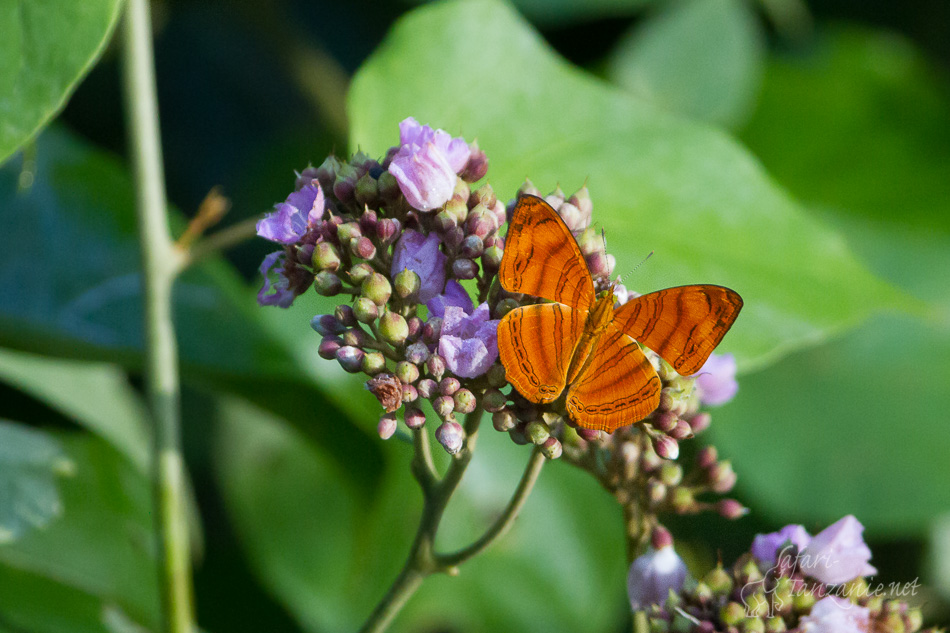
(536, 344)
(618, 387)
(683, 324)
(542, 257)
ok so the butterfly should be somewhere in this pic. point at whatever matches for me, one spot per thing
(580, 342)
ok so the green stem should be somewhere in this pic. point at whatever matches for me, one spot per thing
(641, 624)
(161, 354)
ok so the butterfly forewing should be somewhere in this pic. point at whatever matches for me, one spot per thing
(536, 344)
(683, 324)
(543, 259)
(618, 387)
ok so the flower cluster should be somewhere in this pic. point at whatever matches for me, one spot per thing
(789, 581)
(414, 249)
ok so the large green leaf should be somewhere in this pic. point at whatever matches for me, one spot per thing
(46, 48)
(101, 551)
(69, 275)
(700, 58)
(329, 558)
(658, 182)
(859, 122)
(29, 496)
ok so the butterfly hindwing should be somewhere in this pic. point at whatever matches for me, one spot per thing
(618, 387)
(542, 257)
(536, 344)
(683, 324)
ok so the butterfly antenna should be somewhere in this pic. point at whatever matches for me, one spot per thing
(641, 263)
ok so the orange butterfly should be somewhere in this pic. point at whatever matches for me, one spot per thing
(581, 342)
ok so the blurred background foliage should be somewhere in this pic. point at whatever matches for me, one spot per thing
(800, 154)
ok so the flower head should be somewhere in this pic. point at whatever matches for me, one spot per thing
(420, 254)
(765, 547)
(716, 380)
(469, 342)
(454, 295)
(654, 574)
(276, 290)
(427, 165)
(838, 553)
(836, 615)
(294, 217)
(455, 150)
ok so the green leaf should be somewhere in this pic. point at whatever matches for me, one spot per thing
(329, 558)
(96, 395)
(699, 58)
(658, 182)
(565, 12)
(875, 114)
(47, 48)
(29, 462)
(74, 240)
(102, 546)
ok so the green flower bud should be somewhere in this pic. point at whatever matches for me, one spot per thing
(504, 307)
(388, 186)
(683, 500)
(377, 289)
(757, 605)
(803, 601)
(445, 221)
(671, 474)
(365, 310)
(327, 284)
(373, 363)
(503, 420)
(393, 328)
(464, 401)
(367, 190)
(494, 400)
(537, 432)
(656, 491)
(491, 259)
(913, 619)
(348, 231)
(358, 273)
(775, 625)
(325, 257)
(719, 581)
(703, 592)
(407, 284)
(732, 614)
(457, 210)
(345, 184)
(752, 625)
(496, 376)
(407, 372)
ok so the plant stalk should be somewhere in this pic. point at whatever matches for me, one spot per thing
(161, 352)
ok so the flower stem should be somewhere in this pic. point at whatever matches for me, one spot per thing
(161, 354)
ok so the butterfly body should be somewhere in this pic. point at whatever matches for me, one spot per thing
(580, 343)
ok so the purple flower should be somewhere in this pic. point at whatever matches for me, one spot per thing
(765, 547)
(294, 217)
(653, 575)
(421, 255)
(838, 553)
(717, 380)
(274, 280)
(454, 295)
(427, 164)
(836, 615)
(455, 150)
(469, 343)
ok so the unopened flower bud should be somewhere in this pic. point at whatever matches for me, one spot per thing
(477, 165)
(451, 436)
(327, 284)
(393, 328)
(415, 328)
(348, 231)
(464, 401)
(681, 431)
(350, 358)
(388, 187)
(363, 248)
(432, 331)
(325, 257)
(656, 491)
(731, 509)
(409, 393)
(667, 398)
(719, 580)
(414, 418)
(671, 474)
(407, 284)
(665, 421)
(537, 432)
(776, 624)
(666, 447)
(327, 325)
(491, 259)
(366, 190)
(345, 184)
(387, 426)
(358, 273)
(355, 337)
(572, 217)
(407, 372)
(581, 200)
(457, 210)
(556, 197)
(700, 422)
(721, 477)
(528, 188)
(496, 376)
(504, 307)
(445, 221)
(732, 614)
(453, 238)
(597, 264)
(328, 347)
(326, 172)
(449, 386)
(435, 365)
(444, 406)
(472, 246)
(589, 435)
(493, 400)
(368, 220)
(427, 388)
(387, 230)
(364, 310)
(754, 624)
(551, 448)
(481, 222)
(344, 314)
(464, 269)
(417, 353)
(462, 190)
(503, 420)
(377, 289)
(706, 457)
(373, 363)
